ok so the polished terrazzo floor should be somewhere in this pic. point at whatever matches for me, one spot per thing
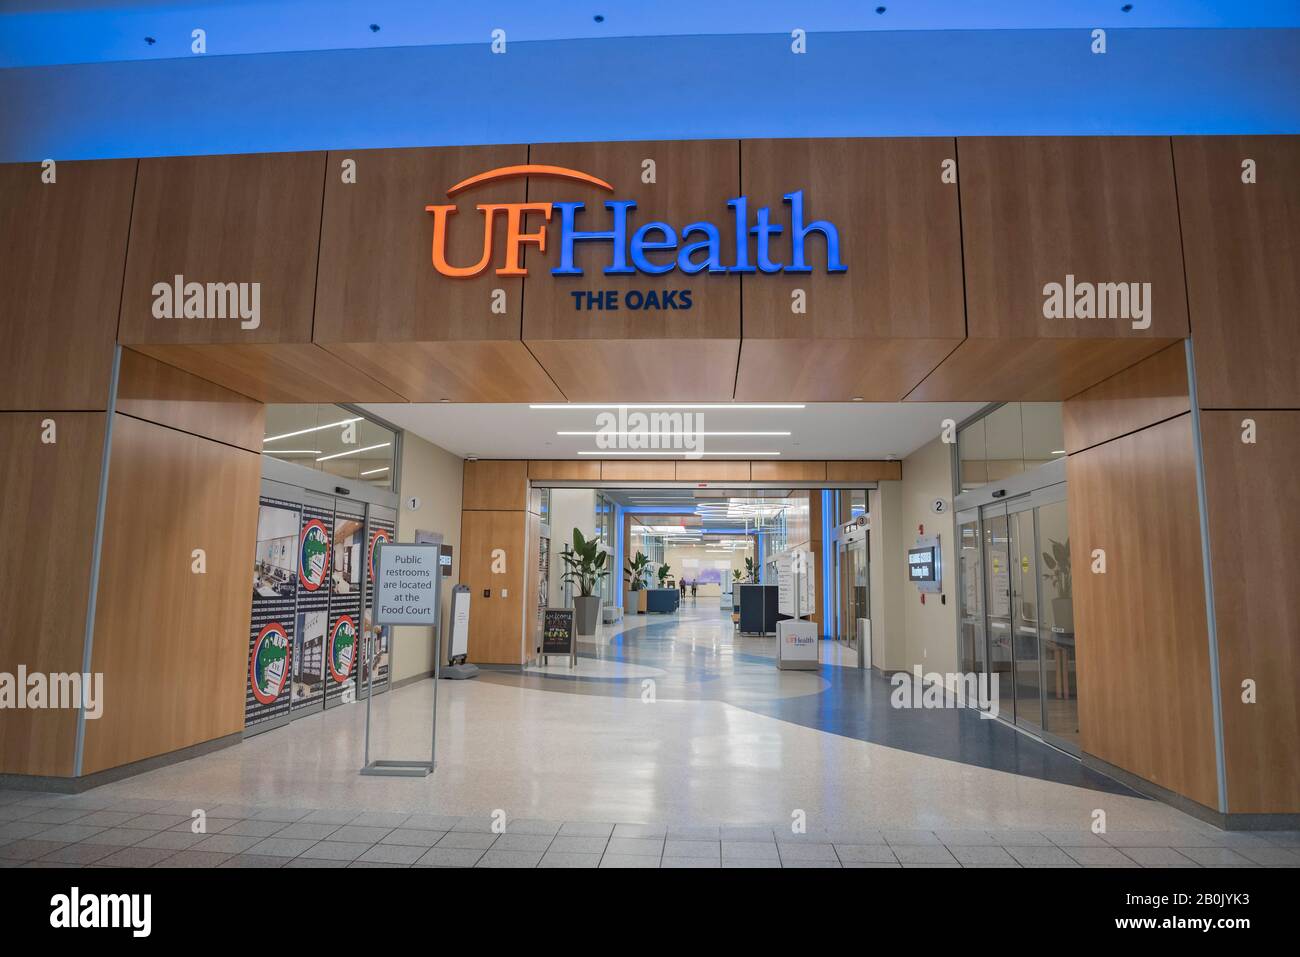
(726, 740)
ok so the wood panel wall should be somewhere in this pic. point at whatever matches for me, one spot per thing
(62, 245)
(377, 285)
(1253, 518)
(640, 354)
(496, 619)
(1153, 390)
(500, 484)
(154, 391)
(496, 514)
(564, 470)
(1241, 242)
(877, 329)
(1143, 648)
(1034, 210)
(172, 645)
(50, 494)
(246, 218)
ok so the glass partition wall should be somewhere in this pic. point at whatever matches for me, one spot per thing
(1015, 614)
(333, 439)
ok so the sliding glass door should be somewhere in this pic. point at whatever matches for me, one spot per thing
(1016, 616)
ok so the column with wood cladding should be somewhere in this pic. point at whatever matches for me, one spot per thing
(495, 558)
(1239, 199)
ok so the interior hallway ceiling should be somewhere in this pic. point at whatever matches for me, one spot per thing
(823, 430)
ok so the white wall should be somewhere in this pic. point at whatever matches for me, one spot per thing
(677, 557)
(433, 475)
(930, 629)
(904, 632)
(888, 574)
(570, 508)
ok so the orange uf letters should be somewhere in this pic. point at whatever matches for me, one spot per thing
(515, 238)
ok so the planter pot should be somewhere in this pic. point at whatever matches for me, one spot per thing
(631, 598)
(586, 615)
(640, 601)
(1063, 613)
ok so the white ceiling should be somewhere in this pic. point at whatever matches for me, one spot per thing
(847, 430)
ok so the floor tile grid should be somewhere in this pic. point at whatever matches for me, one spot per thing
(63, 830)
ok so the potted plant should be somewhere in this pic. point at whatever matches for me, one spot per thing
(663, 575)
(585, 567)
(635, 573)
(1061, 578)
(751, 574)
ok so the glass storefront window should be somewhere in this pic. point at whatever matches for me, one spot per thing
(1004, 446)
(330, 438)
(1015, 437)
(1043, 435)
(971, 455)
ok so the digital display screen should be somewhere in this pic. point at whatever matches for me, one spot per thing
(920, 564)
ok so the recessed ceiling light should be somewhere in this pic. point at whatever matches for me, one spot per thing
(368, 448)
(667, 405)
(858, 398)
(670, 434)
(314, 428)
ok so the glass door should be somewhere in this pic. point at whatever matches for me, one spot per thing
(998, 602)
(860, 593)
(854, 582)
(974, 646)
(381, 529)
(1023, 546)
(1056, 628)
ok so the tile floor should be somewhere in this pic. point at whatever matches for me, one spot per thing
(727, 739)
(53, 830)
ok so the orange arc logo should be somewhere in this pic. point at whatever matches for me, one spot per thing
(529, 169)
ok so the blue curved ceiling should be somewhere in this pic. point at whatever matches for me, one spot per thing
(79, 80)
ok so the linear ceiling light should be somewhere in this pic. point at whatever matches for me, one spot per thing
(375, 471)
(368, 448)
(667, 405)
(293, 452)
(315, 428)
(670, 434)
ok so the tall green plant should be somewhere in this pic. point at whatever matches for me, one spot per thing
(750, 572)
(585, 564)
(636, 571)
(663, 574)
(1059, 573)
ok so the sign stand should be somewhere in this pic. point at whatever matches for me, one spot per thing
(407, 592)
(558, 635)
(458, 651)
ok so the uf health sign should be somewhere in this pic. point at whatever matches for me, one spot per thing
(653, 249)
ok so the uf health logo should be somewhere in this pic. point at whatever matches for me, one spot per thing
(627, 258)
